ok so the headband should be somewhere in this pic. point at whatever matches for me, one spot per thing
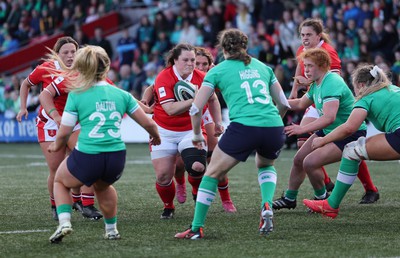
(375, 70)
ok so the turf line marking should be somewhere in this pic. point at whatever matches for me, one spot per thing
(24, 231)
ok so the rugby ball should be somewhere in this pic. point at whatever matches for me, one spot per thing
(184, 90)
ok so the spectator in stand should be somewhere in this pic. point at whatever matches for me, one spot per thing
(67, 23)
(14, 16)
(80, 36)
(47, 22)
(99, 40)
(10, 44)
(126, 46)
(34, 24)
(125, 78)
(161, 45)
(145, 31)
(189, 33)
(92, 15)
(78, 16)
(139, 78)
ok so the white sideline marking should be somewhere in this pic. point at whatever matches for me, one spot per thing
(14, 156)
(24, 231)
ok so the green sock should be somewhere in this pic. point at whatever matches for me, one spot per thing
(64, 208)
(347, 174)
(267, 181)
(319, 193)
(112, 220)
(291, 194)
(205, 196)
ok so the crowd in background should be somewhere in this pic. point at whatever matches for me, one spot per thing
(360, 30)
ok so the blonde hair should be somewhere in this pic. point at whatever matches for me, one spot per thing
(91, 65)
(319, 56)
(374, 79)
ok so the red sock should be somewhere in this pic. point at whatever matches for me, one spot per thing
(76, 197)
(180, 180)
(167, 194)
(326, 177)
(195, 182)
(87, 199)
(223, 189)
(52, 201)
(365, 177)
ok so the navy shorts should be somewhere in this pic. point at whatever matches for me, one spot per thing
(88, 168)
(239, 141)
(341, 144)
(394, 140)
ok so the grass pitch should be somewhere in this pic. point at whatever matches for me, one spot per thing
(358, 231)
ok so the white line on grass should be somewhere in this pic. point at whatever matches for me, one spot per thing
(24, 231)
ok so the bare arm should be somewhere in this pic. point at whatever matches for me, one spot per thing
(353, 123)
(300, 104)
(329, 109)
(23, 93)
(61, 141)
(279, 98)
(46, 98)
(215, 110)
(199, 102)
(147, 95)
(148, 124)
(177, 107)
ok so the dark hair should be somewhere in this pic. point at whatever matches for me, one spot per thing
(62, 41)
(234, 42)
(174, 53)
(317, 26)
(201, 51)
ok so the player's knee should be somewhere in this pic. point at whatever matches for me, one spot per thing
(356, 150)
(195, 161)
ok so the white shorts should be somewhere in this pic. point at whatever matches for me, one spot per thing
(207, 118)
(47, 130)
(311, 112)
(172, 143)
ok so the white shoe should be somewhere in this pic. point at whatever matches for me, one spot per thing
(62, 230)
(112, 235)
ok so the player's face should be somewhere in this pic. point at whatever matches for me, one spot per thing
(67, 53)
(185, 63)
(309, 38)
(312, 71)
(202, 63)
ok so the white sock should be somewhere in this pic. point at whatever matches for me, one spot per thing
(64, 217)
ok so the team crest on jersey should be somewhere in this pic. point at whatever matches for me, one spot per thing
(52, 133)
(161, 92)
(59, 79)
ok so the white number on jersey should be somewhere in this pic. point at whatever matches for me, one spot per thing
(94, 133)
(246, 85)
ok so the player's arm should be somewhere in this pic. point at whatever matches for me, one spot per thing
(295, 87)
(68, 123)
(23, 94)
(215, 110)
(174, 108)
(300, 103)
(279, 98)
(199, 102)
(148, 124)
(46, 98)
(148, 96)
(353, 123)
(330, 109)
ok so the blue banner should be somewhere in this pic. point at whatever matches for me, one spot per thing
(12, 131)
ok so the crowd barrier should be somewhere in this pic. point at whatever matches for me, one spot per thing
(131, 132)
(12, 131)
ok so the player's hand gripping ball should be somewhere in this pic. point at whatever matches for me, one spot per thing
(184, 90)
